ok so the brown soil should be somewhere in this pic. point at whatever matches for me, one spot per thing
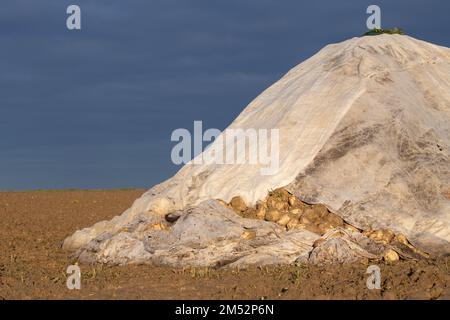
(32, 264)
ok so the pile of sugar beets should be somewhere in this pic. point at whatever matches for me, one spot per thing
(290, 212)
(281, 229)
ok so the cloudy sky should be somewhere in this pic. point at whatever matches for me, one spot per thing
(95, 108)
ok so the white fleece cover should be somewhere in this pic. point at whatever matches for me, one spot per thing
(364, 129)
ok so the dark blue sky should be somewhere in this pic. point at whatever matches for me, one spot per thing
(95, 108)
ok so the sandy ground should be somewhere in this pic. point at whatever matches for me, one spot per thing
(33, 266)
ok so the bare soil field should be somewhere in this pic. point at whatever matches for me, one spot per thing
(33, 265)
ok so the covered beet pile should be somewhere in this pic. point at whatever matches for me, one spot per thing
(364, 172)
